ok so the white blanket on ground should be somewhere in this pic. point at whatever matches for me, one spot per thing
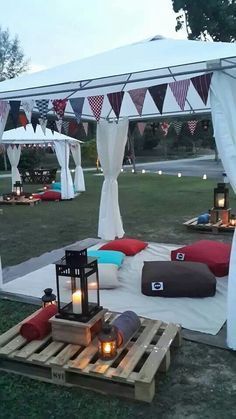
(205, 315)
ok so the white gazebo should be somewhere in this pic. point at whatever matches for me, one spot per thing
(14, 139)
(150, 79)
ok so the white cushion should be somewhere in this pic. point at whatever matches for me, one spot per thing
(108, 276)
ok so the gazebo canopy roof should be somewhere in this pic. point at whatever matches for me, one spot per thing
(144, 64)
(28, 136)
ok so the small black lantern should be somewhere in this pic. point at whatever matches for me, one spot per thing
(107, 342)
(48, 298)
(221, 196)
(77, 286)
(18, 188)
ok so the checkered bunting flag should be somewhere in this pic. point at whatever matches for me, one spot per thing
(28, 106)
(59, 106)
(192, 126)
(43, 124)
(95, 103)
(52, 125)
(65, 126)
(180, 90)
(59, 125)
(177, 126)
(42, 106)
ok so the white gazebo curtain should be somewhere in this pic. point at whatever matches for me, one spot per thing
(62, 150)
(14, 158)
(111, 140)
(79, 174)
(223, 106)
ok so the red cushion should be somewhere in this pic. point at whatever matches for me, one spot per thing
(128, 246)
(38, 326)
(215, 255)
(37, 195)
(50, 195)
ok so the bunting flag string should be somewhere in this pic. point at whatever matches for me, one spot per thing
(95, 103)
(85, 126)
(165, 127)
(65, 126)
(177, 126)
(158, 94)
(23, 120)
(180, 90)
(192, 126)
(141, 127)
(116, 100)
(138, 96)
(14, 111)
(59, 106)
(28, 106)
(77, 106)
(42, 106)
(202, 85)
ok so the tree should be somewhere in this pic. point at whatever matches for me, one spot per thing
(206, 19)
(12, 61)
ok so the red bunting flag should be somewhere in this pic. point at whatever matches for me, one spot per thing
(95, 103)
(14, 111)
(73, 128)
(165, 127)
(180, 90)
(23, 120)
(59, 106)
(192, 126)
(202, 85)
(141, 127)
(158, 94)
(116, 100)
(138, 96)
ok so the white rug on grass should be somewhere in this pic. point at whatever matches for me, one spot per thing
(205, 315)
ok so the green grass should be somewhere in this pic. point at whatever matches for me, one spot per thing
(153, 208)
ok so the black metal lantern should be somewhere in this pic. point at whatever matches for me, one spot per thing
(18, 188)
(48, 298)
(107, 342)
(77, 286)
(221, 196)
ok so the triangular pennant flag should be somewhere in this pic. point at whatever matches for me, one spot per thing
(85, 125)
(42, 106)
(202, 85)
(165, 128)
(180, 90)
(51, 125)
(34, 122)
(23, 120)
(65, 126)
(4, 111)
(192, 126)
(59, 125)
(141, 127)
(115, 100)
(43, 124)
(59, 106)
(158, 94)
(28, 106)
(132, 126)
(73, 128)
(177, 126)
(77, 106)
(138, 96)
(96, 103)
(14, 111)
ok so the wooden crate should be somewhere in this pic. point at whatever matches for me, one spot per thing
(131, 374)
(216, 228)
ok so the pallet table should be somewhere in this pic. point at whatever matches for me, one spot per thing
(25, 201)
(131, 374)
(216, 228)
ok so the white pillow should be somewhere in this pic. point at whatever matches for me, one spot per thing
(108, 276)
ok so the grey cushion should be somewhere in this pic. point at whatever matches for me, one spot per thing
(174, 279)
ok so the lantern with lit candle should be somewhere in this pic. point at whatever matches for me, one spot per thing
(77, 296)
(18, 188)
(107, 342)
(221, 197)
(48, 298)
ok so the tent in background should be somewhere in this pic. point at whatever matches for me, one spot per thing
(110, 85)
(14, 139)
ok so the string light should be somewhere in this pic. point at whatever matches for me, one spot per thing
(122, 170)
(132, 170)
(204, 177)
(179, 174)
(143, 171)
(159, 172)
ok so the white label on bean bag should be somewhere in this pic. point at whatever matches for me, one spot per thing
(180, 256)
(157, 286)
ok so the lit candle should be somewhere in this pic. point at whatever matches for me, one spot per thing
(143, 171)
(221, 202)
(204, 177)
(76, 302)
(159, 172)
(107, 348)
(179, 174)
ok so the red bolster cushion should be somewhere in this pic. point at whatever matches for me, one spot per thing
(129, 247)
(38, 326)
(215, 255)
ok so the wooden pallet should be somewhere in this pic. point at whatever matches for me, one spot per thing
(131, 374)
(214, 228)
(30, 202)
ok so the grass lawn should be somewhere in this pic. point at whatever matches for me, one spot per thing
(201, 381)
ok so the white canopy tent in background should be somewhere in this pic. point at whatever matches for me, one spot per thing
(143, 65)
(15, 138)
